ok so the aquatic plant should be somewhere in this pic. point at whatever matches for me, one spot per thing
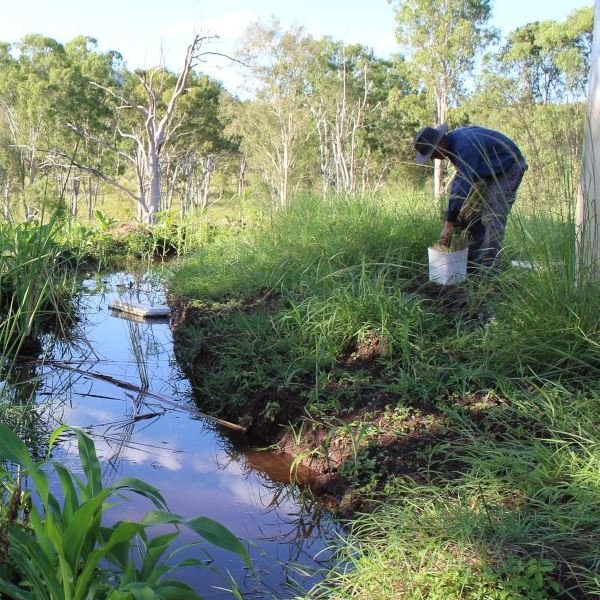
(36, 281)
(57, 546)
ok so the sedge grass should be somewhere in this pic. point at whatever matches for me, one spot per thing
(36, 278)
(305, 245)
(520, 520)
(503, 504)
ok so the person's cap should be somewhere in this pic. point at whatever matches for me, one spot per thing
(427, 140)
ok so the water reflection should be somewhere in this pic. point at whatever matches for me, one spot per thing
(121, 383)
(21, 411)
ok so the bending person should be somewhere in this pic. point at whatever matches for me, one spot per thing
(489, 169)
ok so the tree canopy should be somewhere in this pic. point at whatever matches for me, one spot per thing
(317, 115)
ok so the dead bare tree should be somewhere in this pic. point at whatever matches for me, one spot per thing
(157, 126)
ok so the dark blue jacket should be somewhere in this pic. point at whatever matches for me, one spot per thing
(477, 153)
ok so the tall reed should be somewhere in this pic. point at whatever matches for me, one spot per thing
(36, 279)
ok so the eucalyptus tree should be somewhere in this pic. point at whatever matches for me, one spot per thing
(34, 92)
(397, 109)
(10, 171)
(94, 114)
(350, 94)
(442, 39)
(548, 61)
(339, 98)
(12, 165)
(588, 202)
(274, 127)
(316, 113)
(42, 85)
(200, 147)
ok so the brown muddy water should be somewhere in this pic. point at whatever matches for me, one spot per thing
(199, 467)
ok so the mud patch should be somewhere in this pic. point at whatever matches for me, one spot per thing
(351, 432)
(364, 352)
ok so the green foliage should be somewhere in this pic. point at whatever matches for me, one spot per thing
(59, 548)
(549, 61)
(45, 85)
(103, 220)
(325, 116)
(532, 90)
(443, 38)
(107, 243)
(35, 279)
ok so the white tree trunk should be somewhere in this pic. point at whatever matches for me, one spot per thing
(242, 177)
(155, 178)
(438, 165)
(75, 198)
(6, 202)
(91, 187)
(208, 170)
(588, 202)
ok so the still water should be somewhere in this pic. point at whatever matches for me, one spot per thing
(199, 467)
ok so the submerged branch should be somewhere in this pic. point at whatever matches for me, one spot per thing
(135, 388)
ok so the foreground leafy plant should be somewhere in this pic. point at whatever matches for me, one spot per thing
(61, 550)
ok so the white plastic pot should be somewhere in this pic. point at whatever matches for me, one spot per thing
(447, 267)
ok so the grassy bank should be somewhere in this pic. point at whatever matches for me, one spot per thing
(503, 505)
(108, 243)
(464, 416)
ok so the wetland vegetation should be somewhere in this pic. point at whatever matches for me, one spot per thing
(449, 432)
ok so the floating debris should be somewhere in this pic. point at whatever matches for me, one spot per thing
(140, 310)
(119, 314)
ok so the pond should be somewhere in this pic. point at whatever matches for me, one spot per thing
(118, 379)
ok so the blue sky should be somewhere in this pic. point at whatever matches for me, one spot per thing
(147, 32)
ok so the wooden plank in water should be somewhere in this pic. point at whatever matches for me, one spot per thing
(119, 314)
(140, 310)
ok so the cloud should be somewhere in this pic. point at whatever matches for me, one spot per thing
(85, 415)
(209, 464)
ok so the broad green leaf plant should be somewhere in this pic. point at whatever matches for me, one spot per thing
(59, 549)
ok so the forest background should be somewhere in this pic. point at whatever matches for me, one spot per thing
(312, 114)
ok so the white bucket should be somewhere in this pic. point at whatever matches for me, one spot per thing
(447, 267)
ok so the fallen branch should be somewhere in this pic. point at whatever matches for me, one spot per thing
(135, 388)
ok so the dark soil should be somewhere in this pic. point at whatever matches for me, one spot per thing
(343, 463)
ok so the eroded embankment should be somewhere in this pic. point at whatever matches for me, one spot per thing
(353, 447)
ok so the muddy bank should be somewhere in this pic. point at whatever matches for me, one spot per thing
(268, 414)
(349, 451)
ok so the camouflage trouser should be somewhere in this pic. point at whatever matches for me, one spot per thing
(485, 212)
